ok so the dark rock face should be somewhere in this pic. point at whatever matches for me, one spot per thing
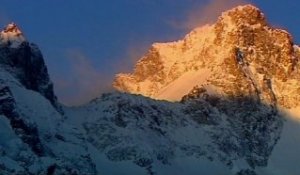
(252, 121)
(26, 63)
(28, 133)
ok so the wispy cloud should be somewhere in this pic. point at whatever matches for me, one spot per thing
(83, 81)
(134, 51)
(206, 14)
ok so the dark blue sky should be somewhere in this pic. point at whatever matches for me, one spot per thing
(86, 42)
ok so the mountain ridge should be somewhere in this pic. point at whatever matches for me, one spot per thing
(239, 44)
(25, 61)
(207, 132)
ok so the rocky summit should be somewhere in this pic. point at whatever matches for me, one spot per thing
(25, 62)
(217, 102)
(239, 55)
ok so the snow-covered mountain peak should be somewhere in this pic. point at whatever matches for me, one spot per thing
(244, 12)
(12, 35)
(25, 62)
(239, 55)
(240, 17)
(231, 81)
(13, 28)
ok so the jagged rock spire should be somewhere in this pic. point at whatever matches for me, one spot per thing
(12, 35)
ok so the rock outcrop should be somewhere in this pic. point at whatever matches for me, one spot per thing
(25, 62)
